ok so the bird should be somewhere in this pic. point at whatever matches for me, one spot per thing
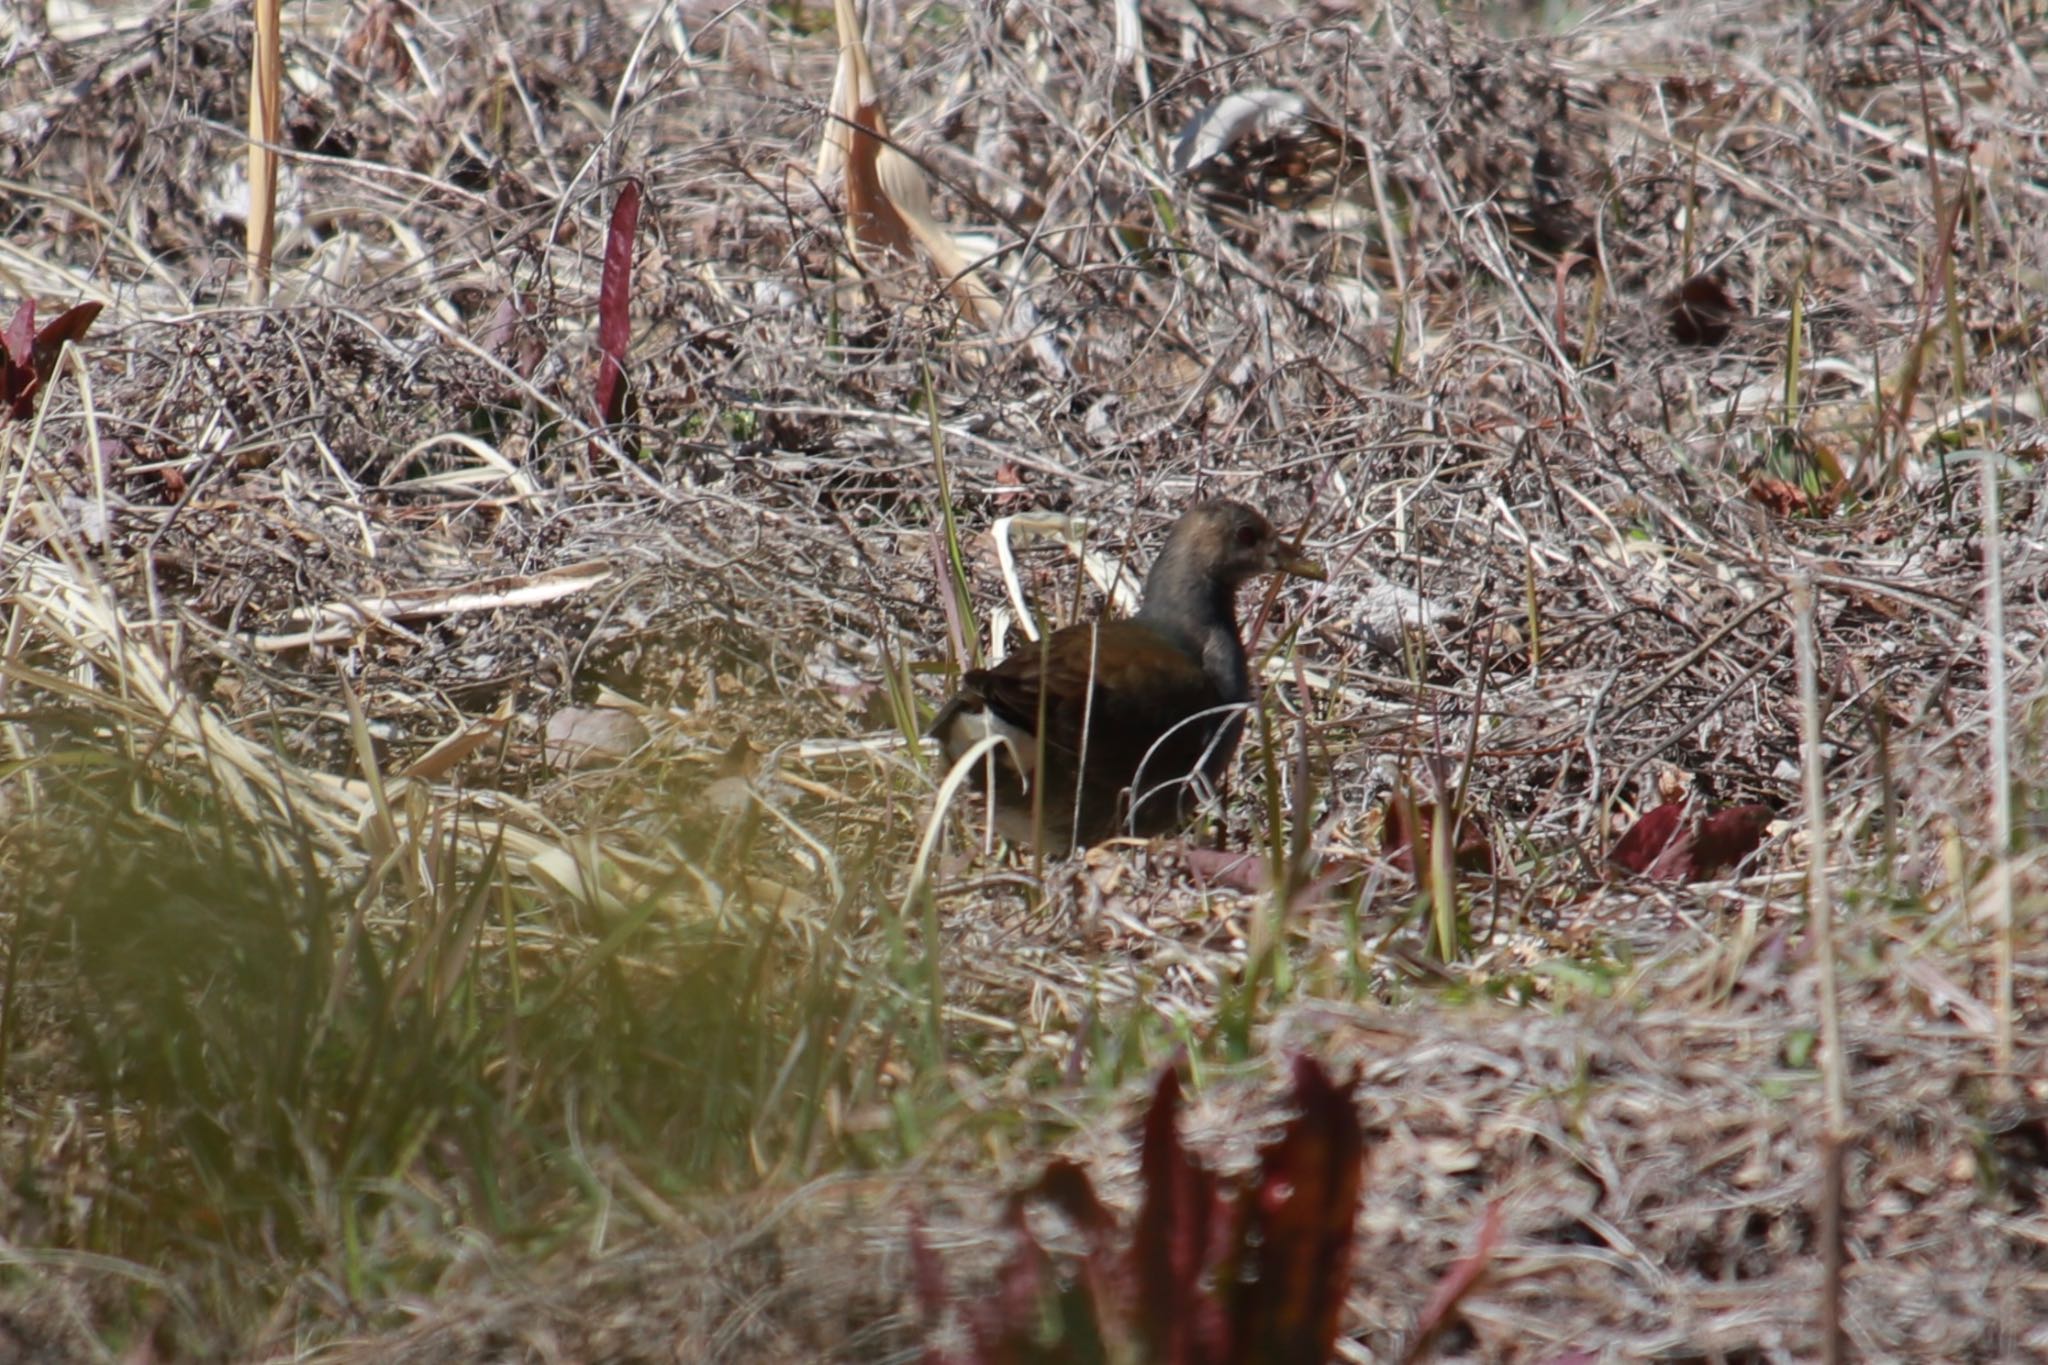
(1116, 726)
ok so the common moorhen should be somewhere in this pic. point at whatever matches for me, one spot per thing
(1165, 707)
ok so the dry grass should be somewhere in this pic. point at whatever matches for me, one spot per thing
(1561, 543)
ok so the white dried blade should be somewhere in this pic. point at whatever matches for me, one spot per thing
(1263, 112)
(497, 467)
(1106, 572)
(956, 778)
(259, 784)
(341, 620)
(903, 183)
(577, 879)
(1129, 46)
(890, 742)
(852, 82)
(1998, 736)
(34, 275)
(1034, 524)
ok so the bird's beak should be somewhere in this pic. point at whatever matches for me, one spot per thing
(1297, 565)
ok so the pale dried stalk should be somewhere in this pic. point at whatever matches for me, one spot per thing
(1820, 899)
(1999, 738)
(266, 82)
(1821, 924)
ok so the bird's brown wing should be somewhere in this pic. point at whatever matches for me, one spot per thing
(1144, 684)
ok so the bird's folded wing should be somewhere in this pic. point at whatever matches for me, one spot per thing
(1144, 683)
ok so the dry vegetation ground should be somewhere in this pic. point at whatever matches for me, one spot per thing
(321, 1041)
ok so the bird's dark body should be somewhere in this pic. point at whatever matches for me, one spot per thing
(1150, 741)
(1115, 727)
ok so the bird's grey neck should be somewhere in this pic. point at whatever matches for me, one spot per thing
(1203, 618)
(1205, 606)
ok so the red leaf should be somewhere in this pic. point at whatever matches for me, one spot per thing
(1405, 820)
(1647, 838)
(1726, 837)
(1458, 1281)
(928, 1282)
(70, 326)
(1170, 1246)
(1258, 1280)
(31, 356)
(1293, 1250)
(1097, 1300)
(17, 365)
(1030, 1319)
(1005, 1325)
(614, 297)
(1776, 494)
(1666, 845)
(928, 1276)
(19, 336)
(1067, 1188)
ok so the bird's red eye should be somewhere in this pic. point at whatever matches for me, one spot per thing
(1247, 536)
